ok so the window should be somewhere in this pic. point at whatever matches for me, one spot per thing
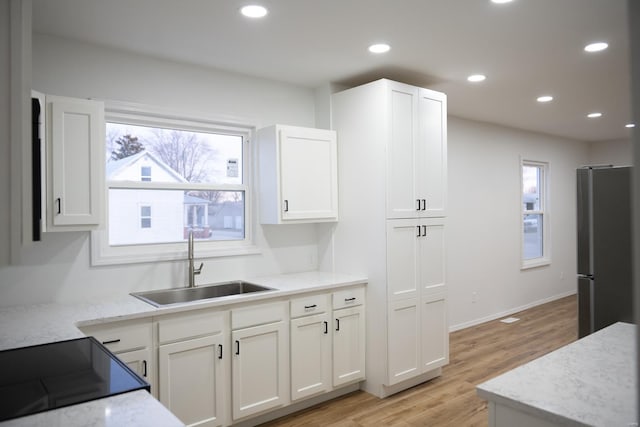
(191, 171)
(145, 173)
(145, 216)
(535, 245)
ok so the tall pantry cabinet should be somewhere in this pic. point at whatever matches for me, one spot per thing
(392, 159)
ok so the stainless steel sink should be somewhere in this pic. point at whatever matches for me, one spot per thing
(186, 295)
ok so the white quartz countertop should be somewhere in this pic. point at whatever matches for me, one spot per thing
(22, 326)
(589, 382)
(137, 408)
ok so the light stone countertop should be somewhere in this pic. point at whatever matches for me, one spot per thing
(589, 382)
(22, 326)
(136, 408)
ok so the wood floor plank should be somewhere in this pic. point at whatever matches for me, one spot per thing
(477, 354)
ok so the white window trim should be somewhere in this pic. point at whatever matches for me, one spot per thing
(104, 254)
(546, 223)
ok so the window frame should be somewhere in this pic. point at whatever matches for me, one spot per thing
(104, 254)
(543, 211)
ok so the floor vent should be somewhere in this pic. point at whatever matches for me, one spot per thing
(510, 320)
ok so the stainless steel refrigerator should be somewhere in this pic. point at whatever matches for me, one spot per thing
(604, 247)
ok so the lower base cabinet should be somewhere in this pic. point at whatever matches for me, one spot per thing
(348, 345)
(132, 342)
(191, 380)
(310, 346)
(260, 345)
(213, 367)
(192, 367)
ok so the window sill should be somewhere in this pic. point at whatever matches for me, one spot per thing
(535, 263)
(102, 254)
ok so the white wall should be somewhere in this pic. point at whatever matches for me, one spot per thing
(483, 235)
(616, 153)
(58, 268)
(483, 231)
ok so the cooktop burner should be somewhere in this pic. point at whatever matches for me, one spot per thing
(49, 376)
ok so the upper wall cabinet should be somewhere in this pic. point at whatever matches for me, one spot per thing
(73, 162)
(416, 151)
(298, 175)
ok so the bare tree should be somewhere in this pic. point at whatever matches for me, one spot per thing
(183, 151)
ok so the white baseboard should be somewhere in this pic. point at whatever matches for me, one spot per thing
(509, 312)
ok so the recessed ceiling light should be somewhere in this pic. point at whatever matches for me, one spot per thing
(596, 47)
(475, 78)
(379, 48)
(501, 1)
(545, 98)
(630, 125)
(254, 11)
(594, 115)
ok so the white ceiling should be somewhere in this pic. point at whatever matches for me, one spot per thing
(526, 48)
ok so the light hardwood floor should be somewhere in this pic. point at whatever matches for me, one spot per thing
(476, 355)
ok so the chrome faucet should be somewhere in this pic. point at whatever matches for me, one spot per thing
(193, 272)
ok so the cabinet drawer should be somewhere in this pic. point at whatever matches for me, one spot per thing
(122, 336)
(348, 298)
(254, 315)
(181, 326)
(308, 305)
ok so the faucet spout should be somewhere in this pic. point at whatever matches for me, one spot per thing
(193, 272)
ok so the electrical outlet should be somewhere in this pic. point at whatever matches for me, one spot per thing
(562, 275)
(474, 297)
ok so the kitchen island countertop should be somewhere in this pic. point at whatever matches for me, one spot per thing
(589, 382)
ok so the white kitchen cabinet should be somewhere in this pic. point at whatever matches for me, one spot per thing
(132, 342)
(392, 223)
(74, 163)
(416, 152)
(417, 328)
(193, 365)
(298, 175)
(260, 340)
(310, 346)
(348, 336)
(434, 330)
(404, 340)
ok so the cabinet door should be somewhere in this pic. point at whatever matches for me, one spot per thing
(402, 259)
(310, 356)
(348, 345)
(75, 158)
(192, 382)
(140, 362)
(431, 255)
(402, 199)
(403, 342)
(259, 372)
(431, 153)
(435, 332)
(308, 174)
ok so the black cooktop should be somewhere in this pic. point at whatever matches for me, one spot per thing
(49, 376)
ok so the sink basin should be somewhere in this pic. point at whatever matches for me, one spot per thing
(186, 295)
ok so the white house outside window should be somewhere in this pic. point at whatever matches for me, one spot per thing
(145, 173)
(192, 172)
(535, 242)
(145, 216)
